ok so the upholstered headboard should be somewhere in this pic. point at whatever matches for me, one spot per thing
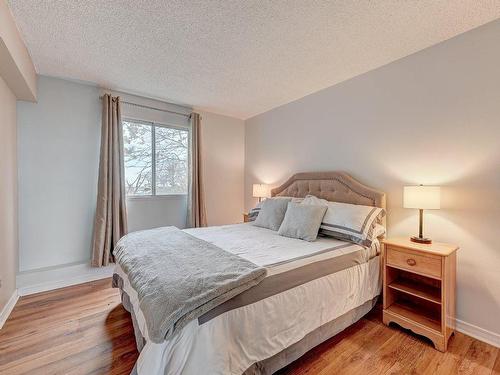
(332, 186)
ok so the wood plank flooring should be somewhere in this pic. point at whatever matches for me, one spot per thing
(84, 330)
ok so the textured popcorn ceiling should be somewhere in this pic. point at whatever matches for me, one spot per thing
(238, 58)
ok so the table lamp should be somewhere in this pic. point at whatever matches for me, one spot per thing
(422, 198)
(261, 191)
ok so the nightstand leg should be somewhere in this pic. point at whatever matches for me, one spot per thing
(385, 320)
(441, 345)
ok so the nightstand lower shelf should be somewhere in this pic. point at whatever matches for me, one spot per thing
(426, 292)
(416, 314)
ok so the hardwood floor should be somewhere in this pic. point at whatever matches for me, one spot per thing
(84, 330)
(81, 329)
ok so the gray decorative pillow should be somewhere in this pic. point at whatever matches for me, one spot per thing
(302, 221)
(254, 212)
(271, 213)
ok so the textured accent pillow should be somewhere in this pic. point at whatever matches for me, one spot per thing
(254, 212)
(272, 213)
(348, 222)
(302, 221)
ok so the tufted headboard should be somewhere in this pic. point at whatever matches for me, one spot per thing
(332, 186)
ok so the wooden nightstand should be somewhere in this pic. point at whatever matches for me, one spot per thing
(245, 217)
(419, 288)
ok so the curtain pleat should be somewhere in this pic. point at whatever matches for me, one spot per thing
(111, 213)
(197, 216)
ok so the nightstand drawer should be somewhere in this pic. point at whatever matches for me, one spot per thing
(413, 262)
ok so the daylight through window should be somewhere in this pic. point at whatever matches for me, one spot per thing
(156, 159)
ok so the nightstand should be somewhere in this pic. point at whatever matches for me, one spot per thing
(245, 217)
(419, 288)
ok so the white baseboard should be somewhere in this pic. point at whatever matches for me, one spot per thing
(7, 309)
(30, 282)
(479, 333)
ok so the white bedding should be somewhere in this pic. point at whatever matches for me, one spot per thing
(263, 246)
(231, 342)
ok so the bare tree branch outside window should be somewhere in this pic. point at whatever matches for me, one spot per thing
(171, 159)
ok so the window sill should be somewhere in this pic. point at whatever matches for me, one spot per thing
(154, 197)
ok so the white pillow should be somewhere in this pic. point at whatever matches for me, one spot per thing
(348, 222)
(378, 230)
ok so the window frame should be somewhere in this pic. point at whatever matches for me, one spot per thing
(153, 125)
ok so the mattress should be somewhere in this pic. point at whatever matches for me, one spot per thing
(309, 285)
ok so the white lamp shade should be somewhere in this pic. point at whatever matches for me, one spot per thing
(422, 197)
(261, 191)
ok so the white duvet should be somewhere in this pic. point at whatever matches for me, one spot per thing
(231, 342)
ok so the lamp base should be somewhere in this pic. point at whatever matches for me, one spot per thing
(421, 239)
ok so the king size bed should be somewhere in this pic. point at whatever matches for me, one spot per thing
(291, 295)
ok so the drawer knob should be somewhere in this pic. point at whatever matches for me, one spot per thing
(411, 262)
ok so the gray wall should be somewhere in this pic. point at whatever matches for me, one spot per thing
(430, 118)
(58, 151)
(153, 212)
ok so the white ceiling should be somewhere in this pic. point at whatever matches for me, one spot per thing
(238, 58)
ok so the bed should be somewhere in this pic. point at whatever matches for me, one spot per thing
(312, 291)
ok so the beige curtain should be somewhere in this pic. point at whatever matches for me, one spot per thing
(197, 216)
(111, 214)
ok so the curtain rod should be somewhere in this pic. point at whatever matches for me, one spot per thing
(157, 109)
(154, 108)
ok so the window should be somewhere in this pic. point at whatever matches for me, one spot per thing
(156, 158)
